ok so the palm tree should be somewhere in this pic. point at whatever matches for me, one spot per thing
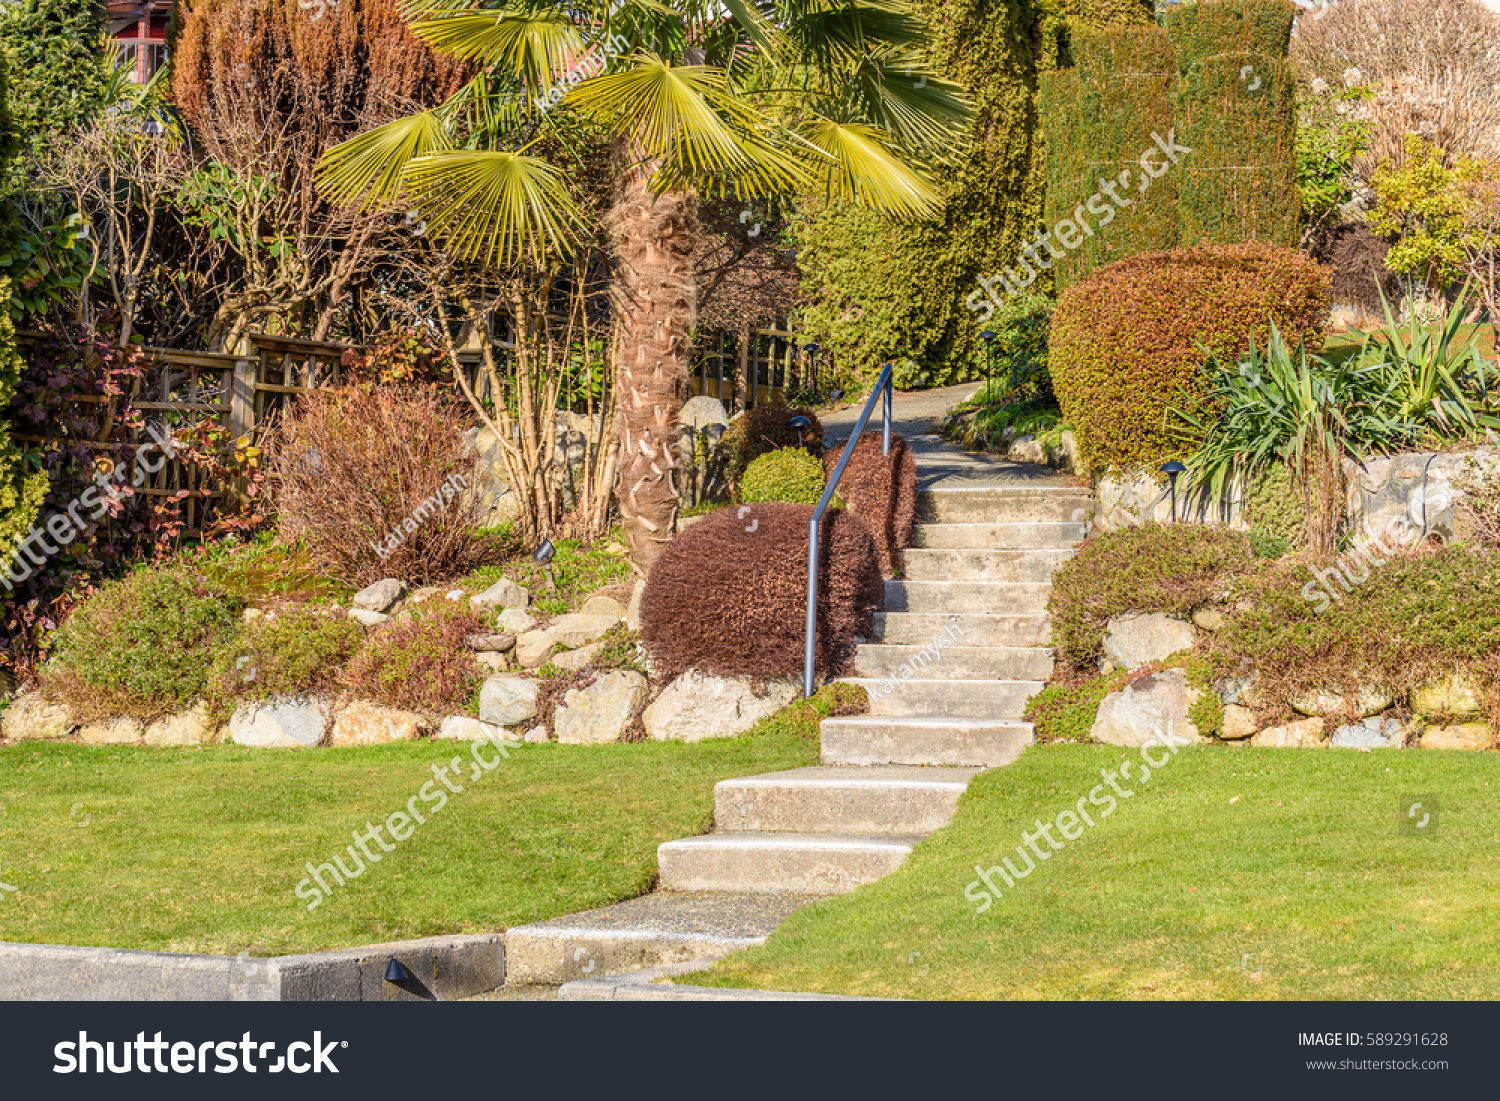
(730, 98)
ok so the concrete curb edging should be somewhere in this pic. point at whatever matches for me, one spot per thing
(440, 968)
(643, 986)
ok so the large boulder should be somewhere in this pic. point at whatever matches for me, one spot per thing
(601, 605)
(515, 621)
(601, 711)
(1472, 736)
(1366, 701)
(1239, 722)
(570, 661)
(120, 730)
(508, 700)
(535, 648)
(365, 723)
(1135, 640)
(494, 501)
(577, 629)
(1454, 697)
(30, 718)
(463, 728)
(504, 593)
(190, 727)
(1369, 734)
(382, 596)
(1302, 734)
(281, 722)
(1150, 709)
(700, 705)
(702, 411)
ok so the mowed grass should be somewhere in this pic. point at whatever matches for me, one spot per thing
(200, 850)
(1232, 873)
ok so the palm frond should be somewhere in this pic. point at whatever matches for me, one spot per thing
(894, 92)
(366, 171)
(687, 117)
(496, 208)
(858, 166)
(535, 45)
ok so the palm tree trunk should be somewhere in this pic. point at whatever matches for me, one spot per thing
(655, 299)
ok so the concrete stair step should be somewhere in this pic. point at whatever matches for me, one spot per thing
(960, 597)
(1017, 535)
(954, 662)
(919, 629)
(878, 740)
(954, 699)
(651, 931)
(1004, 504)
(841, 800)
(921, 564)
(799, 863)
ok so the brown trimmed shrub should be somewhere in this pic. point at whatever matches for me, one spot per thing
(729, 594)
(764, 429)
(1127, 343)
(882, 491)
(420, 662)
(360, 468)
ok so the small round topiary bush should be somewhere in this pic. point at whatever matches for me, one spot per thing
(729, 594)
(142, 646)
(789, 475)
(766, 428)
(1127, 343)
(301, 650)
(882, 491)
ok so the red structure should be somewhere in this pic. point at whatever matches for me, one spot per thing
(140, 29)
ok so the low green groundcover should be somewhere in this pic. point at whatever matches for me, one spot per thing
(204, 850)
(1231, 873)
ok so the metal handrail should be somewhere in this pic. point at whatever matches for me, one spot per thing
(882, 390)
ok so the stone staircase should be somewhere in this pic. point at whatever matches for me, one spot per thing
(978, 574)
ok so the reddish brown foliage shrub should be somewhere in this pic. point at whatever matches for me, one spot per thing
(1127, 343)
(419, 662)
(882, 491)
(729, 594)
(358, 469)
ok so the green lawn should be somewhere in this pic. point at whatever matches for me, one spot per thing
(1232, 873)
(200, 850)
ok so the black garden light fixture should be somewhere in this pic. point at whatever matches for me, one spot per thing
(542, 556)
(801, 424)
(988, 336)
(1171, 470)
(394, 972)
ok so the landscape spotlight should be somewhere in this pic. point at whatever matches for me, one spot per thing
(988, 336)
(1171, 470)
(543, 557)
(394, 972)
(800, 422)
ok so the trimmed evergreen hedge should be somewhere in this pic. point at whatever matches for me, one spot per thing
(1127, 343)
(1217, 79)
